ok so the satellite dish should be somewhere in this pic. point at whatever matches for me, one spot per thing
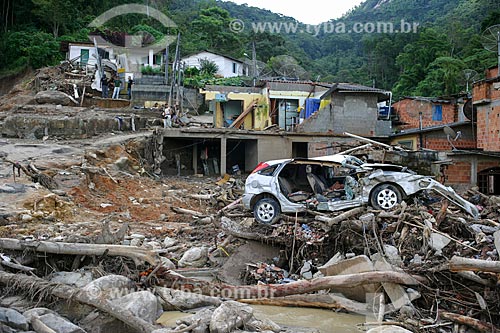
(452, 135)
(490, 39)
(470, 76)
(470, 111)
(257, 69)
(288, 68)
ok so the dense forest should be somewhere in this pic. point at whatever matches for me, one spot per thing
(429, 62)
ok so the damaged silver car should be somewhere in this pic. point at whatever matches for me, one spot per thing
(333, 183)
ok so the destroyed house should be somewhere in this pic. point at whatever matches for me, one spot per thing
(348, 108)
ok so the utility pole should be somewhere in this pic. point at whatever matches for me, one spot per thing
(254, 63)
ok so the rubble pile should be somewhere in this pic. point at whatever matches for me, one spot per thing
(124, 248)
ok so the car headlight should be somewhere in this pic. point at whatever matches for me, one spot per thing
(424, 183)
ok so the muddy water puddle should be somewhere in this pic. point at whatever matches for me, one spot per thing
(324, 320)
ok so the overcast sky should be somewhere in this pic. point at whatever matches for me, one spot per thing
(310, 12)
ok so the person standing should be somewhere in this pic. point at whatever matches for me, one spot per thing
(166, 114)
(104, 86)
(116, 91)
(129, 87)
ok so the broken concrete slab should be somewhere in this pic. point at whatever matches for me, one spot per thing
(438, 242)
(53, 97)
(396, 293)
(359, 264)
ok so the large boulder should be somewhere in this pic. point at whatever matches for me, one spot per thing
(75, 279)
(109, 286)
(179, 300)
(142, 304)
(13, 319)
(230, 316)
(53, 97)
(195, 257)
(52, 320)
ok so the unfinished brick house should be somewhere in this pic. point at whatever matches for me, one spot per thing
(486, 100)
(420, 112)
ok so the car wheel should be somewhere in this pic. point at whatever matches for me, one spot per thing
(266, 211)
(386, 196)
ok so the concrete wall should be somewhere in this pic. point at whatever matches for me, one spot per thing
(355, 113)
(274, 148)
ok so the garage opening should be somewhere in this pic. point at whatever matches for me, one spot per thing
(241, 155)
(180, 154)
(489, 181)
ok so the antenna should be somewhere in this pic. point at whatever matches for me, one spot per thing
(490, 39)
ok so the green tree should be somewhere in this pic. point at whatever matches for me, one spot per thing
(29, 48)
(213, 32)
(56, 13)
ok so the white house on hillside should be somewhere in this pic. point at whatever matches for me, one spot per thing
(228, 66)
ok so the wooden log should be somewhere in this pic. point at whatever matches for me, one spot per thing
(324, 301)
(279, 290)
(476, 324)
(339, 218)
(188, 212)
(442, 212)
(39, 286)
(17, 266)
(201, 196)
(457, 264)
(139, 255)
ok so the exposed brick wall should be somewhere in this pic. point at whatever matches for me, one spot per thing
(442, 144)
(409, 113)
(488, 128)
(486, 165)
(458, 173)
(492, 72)
(481, 91)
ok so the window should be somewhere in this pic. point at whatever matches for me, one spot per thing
(235, 68)
(437, 113)
(406, 143)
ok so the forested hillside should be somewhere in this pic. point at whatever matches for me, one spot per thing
(429, 62)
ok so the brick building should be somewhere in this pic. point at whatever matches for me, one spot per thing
(416, 112)
(486, 99)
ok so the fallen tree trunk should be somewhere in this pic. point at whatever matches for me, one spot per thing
(278, 290)
(179, 210)
(457, 264)
(331, 221)
(36, 285)
(325, 301)
(476, 324)
(137, 254)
